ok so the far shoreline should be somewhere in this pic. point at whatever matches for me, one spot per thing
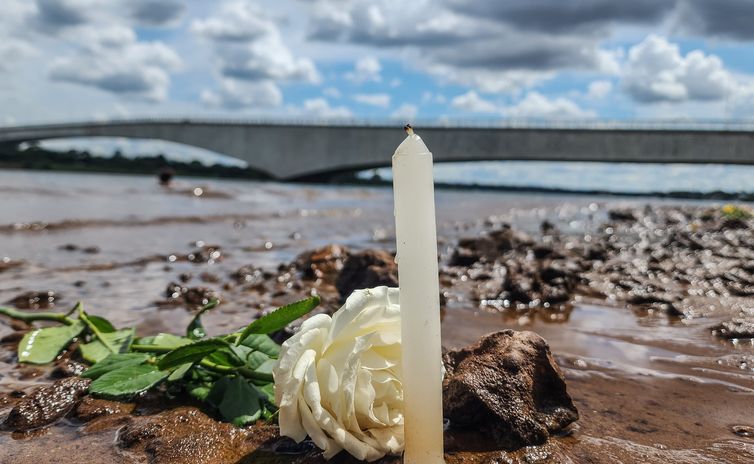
(351, 179)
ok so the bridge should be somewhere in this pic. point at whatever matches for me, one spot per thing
(307, 150)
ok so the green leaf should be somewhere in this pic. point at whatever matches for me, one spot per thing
(127, 381)
(217, 391)
(191, 353)
(108, 340)
(102, 324)
(200, 392)
(114, 362)
(236, 400)
(280, 318)
(179, 372)
(195, 329)
(266, 367)
(255, 359)
(263, 343)
(203, 376)
(41, 346)
(269, 392)
(115, 342)
(164, 340)
(225, 356)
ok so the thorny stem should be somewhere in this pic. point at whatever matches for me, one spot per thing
(209, 365)
(33, 317)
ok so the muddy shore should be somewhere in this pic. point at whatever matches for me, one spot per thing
(647, 310)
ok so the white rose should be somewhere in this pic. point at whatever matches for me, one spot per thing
(338, 379)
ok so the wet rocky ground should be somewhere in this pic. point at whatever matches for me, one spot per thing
(647, 310)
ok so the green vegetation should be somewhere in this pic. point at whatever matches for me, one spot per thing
(231, 374)
(736, 212)
(35, 157)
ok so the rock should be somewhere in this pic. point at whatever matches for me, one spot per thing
(248, 275)
(67, 368)
(621, 215)
(323, 262)
(91, 408)
(184, 435)
(200, 296)
(34, 300)
(547, 227)
(533, 283)
(46, 404)
(7, 264)
(367, 269)
(509, 388)
(190, 296)
(489, 247)
(205, 254)
(735, 328)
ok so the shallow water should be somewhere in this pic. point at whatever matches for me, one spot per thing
(649, 388)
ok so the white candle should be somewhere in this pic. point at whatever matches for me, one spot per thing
(416, 237)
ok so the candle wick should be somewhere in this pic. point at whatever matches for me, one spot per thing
(409, 130)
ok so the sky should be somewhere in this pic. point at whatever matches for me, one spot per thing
(377, 60)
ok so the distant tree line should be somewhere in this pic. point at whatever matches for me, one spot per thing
(36, 157)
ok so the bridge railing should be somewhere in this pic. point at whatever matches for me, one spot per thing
(509, 123)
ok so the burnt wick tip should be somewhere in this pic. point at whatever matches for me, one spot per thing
(409, 130)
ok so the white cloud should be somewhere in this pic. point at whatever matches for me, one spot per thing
(92, 43)
(235, 94)
(248, 49)
(431, 97)
(656, 71)
(12, 50)
(489, 81)
(114, 61)
(476, 44)
(373, 99)
(536, 105)
(364, 70)
(248, 46)
(156, 12)
(395, 82)
(473, 103)
(60, 16)
(320, 108)
(236, 22)
(331, 92)
(406, 112)
(599, 89)
(14, 46)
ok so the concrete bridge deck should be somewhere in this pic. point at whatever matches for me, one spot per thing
(295, 151)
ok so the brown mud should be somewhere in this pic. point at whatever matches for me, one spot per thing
(647, 311)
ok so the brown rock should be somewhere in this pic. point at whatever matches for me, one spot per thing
(509, 388)
(178, 294)
(367, 269)
(92, 408)
(621, 215)
(205, 254)
(34, 300)
(489, 247)
(323, 262)
(46, 404)
(184, 435)
(67, 368)
(248, 274)
(735, 328)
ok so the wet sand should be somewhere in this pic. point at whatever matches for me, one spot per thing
(651, 385)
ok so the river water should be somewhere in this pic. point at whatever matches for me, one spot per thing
(648, 388)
